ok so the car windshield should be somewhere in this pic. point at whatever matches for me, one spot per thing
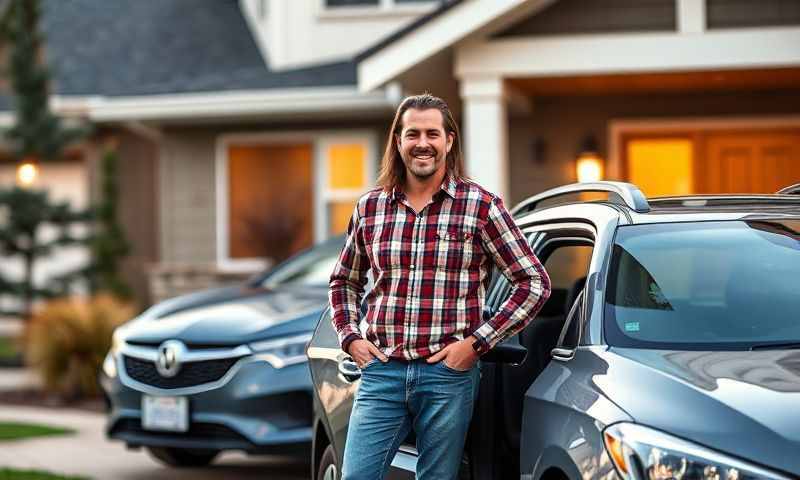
(710, 285)
(312, 268)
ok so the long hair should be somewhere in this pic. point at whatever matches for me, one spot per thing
(393, 170)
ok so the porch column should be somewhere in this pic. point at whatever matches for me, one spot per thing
(485, 135)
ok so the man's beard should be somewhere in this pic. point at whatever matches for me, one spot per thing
(422, 172)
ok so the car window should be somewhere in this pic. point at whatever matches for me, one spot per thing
(729, 284)
(311, 268)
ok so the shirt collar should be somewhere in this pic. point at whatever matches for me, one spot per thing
(449, 185)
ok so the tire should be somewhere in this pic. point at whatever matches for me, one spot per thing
(328, 470)
(183, 457)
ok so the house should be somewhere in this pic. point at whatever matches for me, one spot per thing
(677, 96)
(247, 129)
(240, 131)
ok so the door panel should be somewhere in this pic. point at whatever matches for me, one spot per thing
(758, 162)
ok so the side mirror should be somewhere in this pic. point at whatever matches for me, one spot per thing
(562, 353)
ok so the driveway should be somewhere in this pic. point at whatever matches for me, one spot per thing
(89, 453)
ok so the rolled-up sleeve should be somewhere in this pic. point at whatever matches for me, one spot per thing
(347, 284)
(530, 285)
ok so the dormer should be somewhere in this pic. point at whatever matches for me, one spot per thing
(299, 33)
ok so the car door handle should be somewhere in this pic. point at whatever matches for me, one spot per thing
(348, 368)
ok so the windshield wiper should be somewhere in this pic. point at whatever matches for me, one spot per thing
(776, 346)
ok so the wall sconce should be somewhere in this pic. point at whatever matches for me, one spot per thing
(589, 164)
(27, 172)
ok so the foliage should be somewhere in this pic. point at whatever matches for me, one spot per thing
(18, 431)
(108, 243)
(67, 340)
(8, 349)
(37, 132)
(23, 213)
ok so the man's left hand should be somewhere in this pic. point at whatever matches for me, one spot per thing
(458, 355)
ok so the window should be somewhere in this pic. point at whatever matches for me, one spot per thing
(704, 285)
(348, 177)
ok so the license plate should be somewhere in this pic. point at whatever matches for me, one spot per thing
(165, 413)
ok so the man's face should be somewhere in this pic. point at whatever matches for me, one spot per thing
(423, 143)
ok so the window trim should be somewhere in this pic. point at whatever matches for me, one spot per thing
(381, 8)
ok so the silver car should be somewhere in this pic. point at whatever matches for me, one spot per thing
(669, 349)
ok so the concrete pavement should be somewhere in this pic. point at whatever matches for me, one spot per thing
(89, 453)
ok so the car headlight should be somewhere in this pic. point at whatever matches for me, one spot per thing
(641, 453)
(283, 352)
(110, 362)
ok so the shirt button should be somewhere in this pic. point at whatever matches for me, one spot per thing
(411, 267)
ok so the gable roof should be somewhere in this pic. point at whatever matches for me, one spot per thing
(124, 48)
(449, 24)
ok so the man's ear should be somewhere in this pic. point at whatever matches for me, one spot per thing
(451, 137)
(397, 140)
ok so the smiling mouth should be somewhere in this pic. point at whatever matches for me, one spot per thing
(424, 155)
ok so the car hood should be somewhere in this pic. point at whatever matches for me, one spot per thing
(229, 316)
(739, 402)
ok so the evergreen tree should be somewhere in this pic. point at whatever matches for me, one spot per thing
(37, 134)
(108, 243)
(26, 213)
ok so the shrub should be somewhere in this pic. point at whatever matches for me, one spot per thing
(67, 340)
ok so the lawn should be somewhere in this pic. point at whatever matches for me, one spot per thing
(11, 474)
(17, 431)
(8, 348)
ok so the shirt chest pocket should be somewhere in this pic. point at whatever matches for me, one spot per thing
(455, 249)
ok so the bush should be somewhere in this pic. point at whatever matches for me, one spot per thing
(67, 340)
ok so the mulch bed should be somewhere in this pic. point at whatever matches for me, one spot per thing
(37, 398)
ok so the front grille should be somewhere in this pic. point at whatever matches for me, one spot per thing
(190, 374)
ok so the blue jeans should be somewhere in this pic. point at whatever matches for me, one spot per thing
(394, 397)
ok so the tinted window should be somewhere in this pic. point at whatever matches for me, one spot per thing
(710, 285)
(312, 268)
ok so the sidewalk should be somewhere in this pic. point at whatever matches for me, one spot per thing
(89, 453)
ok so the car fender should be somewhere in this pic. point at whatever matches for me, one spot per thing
(553, 457)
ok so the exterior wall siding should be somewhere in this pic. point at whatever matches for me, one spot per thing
(597, 16)
(752, 13)
(186, 179)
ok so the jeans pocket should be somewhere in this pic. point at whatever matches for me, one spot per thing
(451, 369)
(370, 363)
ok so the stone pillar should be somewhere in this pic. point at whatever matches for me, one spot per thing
(485, 134)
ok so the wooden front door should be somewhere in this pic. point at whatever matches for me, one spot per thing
(757, 162)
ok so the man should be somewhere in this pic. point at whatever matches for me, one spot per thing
(430, 238)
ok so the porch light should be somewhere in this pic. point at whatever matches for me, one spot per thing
(27, 172)
(589, 164)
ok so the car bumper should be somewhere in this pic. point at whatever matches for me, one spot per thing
(254, 407)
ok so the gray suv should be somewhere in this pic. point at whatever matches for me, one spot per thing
(669, 349)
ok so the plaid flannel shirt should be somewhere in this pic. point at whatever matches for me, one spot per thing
(431, 270)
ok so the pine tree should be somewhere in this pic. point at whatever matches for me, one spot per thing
(108, 243)
(37, 133)
(39, 136)
(26, 212)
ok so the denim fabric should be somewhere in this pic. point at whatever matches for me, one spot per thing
(433, 399)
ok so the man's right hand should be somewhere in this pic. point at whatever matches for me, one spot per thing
(363, 351)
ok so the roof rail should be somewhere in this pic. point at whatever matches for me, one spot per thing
(790, 190)
(722, 200)
(630, 194)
